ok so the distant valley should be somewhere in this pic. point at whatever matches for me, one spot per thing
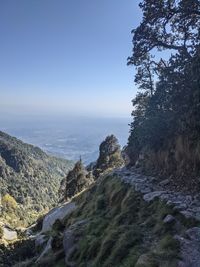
(69, 138)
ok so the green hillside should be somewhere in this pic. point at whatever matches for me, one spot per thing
(31, 177)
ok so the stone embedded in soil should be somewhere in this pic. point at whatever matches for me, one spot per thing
(169, 219)
(187, 205)
(9, 235)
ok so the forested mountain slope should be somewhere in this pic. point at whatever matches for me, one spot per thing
(29, 179)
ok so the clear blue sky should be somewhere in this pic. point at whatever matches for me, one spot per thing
(66, 57)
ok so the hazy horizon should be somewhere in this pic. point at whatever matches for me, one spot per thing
(66, 57)
(68, 137)
(64, 81)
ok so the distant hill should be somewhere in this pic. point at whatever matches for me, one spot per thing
(31, 177)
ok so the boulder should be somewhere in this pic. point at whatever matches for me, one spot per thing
(9, 234)
(58, 213)
(164, 182)
(151, 196)
(169, 219)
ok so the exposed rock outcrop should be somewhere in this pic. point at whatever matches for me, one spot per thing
(58, 213)
(7, 234)
(110, 156)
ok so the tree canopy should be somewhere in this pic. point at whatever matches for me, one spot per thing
(166, 55)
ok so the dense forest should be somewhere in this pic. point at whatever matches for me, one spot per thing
(29, 181)
(165, 132)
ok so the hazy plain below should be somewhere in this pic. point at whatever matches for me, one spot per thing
(68, 138)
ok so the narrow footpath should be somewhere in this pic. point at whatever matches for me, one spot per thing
(188, 205)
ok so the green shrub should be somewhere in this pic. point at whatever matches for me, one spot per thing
(8, 202)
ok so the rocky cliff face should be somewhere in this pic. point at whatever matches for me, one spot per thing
(30, 177)
(109, 156)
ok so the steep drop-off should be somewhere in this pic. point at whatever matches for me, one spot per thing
(110, 224)
(29, 180)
